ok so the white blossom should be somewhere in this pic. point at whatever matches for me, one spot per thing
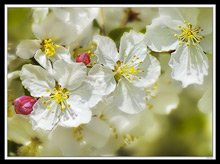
(125, 73)
(188, 31)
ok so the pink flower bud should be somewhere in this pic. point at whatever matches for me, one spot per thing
(83, 58)
(23, 105)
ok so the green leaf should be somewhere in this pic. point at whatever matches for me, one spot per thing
(96, 25)
(117, 33)
(143, 30)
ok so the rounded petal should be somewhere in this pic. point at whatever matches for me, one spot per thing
(96, 133)
(151, 72)
(69, 75)
(106, 51)
(160, 34)
(68, 145)
(183, 14)
(102, 79)
(207, 43)
(36, 80)
(44, 118)
(27, 48)
(128, 98)
(132, 45)
(189, 64)
(78, 113)
(43, 60)
(53, 28)
(87, 92)
(39, 14)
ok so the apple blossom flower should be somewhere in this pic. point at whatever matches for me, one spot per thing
(31, 142)
(188, 31)
(24, 105)
(53, 38)
(127, 72)
(60, 100)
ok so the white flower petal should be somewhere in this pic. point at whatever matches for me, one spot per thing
(52, 28)
(88, 93)
(160, 34)
(189, 64)
(27, 48)
(61, 53)
(36, 80)
(43, 118)
(151, 72)
(67, 144)
(96, 133)
(43, 60)
(205, 20)
(78, 113)
(39, 14)
(132, 45)
(128, 98)
(183, 14)
(102, 79)
(207, 43)
(69, 75)
(106, 51)
(18, 128)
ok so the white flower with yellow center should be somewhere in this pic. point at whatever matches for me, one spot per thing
(60, 101)
(127, 72)
(188, 31)
(53, 38)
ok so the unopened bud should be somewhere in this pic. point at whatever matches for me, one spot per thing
(24, 105)
(83, 58)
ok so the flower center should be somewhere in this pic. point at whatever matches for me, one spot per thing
(58, 95)
(189, 34)
(49, 47)
(129, 72)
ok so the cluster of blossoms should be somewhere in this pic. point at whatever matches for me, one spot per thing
(90, 96)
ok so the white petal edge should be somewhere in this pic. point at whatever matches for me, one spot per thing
(27, 48)
(102, 79)
(43, 118)
(36, 80)
(189, 65)
(69, 75)
(128, 98)
(78, 113)
(106, 51)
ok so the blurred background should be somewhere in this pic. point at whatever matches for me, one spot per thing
(185, 131)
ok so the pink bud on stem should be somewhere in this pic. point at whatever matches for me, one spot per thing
(24, 105)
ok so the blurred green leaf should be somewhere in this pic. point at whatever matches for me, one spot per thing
(96, 24)
(143, 30)
(190, 124)
(117, 33)
(19, 24)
